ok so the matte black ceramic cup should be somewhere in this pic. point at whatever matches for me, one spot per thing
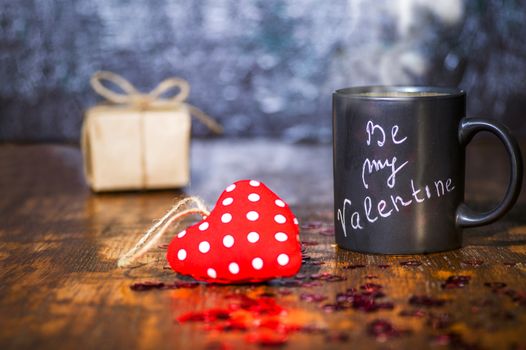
(399, 158)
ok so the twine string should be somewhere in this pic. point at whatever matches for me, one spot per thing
(131, 96)
(157, 230)
(115, 97)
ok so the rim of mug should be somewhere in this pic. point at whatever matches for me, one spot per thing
(358, 92)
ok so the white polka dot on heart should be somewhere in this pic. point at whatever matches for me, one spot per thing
(228, 201)
(283, 259)
(296, 221)
(228, 241)
(204, 247)
(254, 183)
(181, 254)
(211, 273)
(257, 263)
(253, 197)
(279, 203)
(280, 219)
(226, 218)
(181, 234)
(252, 215)
(233, 268)
(204, 226)
(230, 188)
(253, 237)
(280, 236)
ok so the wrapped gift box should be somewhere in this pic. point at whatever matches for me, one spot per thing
(139, 141)
(126, 149)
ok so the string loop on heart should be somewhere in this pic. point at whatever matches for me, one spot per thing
(156, 231)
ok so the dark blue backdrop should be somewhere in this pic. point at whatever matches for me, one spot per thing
(262, 67)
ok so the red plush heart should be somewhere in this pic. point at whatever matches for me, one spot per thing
(250, 236)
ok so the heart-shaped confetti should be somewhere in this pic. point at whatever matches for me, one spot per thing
(250, 236)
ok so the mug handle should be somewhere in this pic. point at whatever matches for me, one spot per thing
(468, 127)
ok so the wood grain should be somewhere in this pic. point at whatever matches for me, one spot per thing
(60, 287)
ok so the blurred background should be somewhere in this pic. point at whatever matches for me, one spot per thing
(263, 68)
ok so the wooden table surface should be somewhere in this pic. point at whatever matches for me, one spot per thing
(60, 287)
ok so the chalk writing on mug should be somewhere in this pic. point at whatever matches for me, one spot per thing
(367, 210)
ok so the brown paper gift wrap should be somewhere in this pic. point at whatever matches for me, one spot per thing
(141, 142)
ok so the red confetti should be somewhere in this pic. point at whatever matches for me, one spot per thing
(368, 304)
(453, 282)
(182, 285)
(454, 341)
(258, 317)
(312, 298)
(309, 225)
(354, 266)
(149, 285)
(365, 301)
(301, 276)
(410, 263)
(328, 231)
(313, 329)
(326, 276)
(310, 284)
(145, 286)
(259, 306)
(371, 287)
(329, 308)
(383, 330)
(207, 316)
(283, 291)
(229, 326)
(278, 326)
(413, 313)
(309, 243)
(439, 321)
(473, 263)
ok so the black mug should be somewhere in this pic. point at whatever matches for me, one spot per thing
(399, 159)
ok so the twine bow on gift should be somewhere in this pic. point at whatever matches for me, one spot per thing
(131, 96)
